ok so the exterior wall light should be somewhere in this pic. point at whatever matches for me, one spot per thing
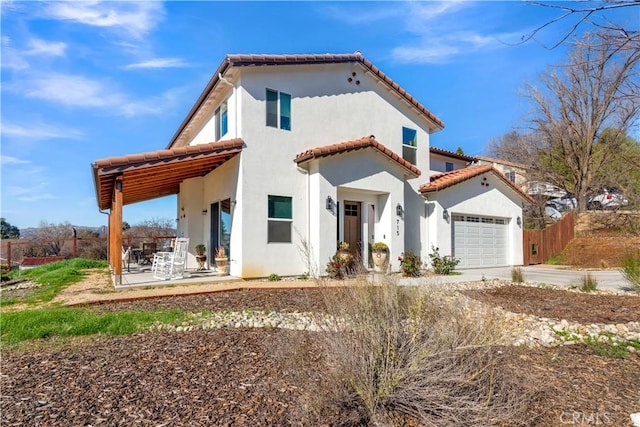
(329, 204)
(204, 211)
(519, 221)
(445, 215)
(399, 210)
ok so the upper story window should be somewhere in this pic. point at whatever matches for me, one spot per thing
(511, 176)
(221, 120)
(278, 109)
(409, 145)
(448, 166)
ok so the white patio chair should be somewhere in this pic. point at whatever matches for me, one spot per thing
(171, 265)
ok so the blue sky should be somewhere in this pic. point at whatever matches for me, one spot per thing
(88, 80)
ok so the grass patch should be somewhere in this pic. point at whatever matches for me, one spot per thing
(517, 276)
(631, 271)
(589, 283)
(556, 260)
(42, 323)
(53, 277)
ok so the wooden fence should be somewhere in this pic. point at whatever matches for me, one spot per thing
(542, 245)
(12, 251)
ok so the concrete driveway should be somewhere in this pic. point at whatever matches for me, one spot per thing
(548, 274)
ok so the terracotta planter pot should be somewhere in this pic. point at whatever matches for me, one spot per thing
(222, 266)
(380, 261)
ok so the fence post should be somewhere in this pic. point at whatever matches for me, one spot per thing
(75, 246)
(9, 255)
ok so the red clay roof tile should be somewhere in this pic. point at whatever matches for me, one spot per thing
(452, 154)
(244, 60)
(445, 180)
(358, 144)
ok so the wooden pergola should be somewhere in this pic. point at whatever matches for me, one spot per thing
(139, 177)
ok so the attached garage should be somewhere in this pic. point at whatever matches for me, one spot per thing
(475, 215)
(479, 241)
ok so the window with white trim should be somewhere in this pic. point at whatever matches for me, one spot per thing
(511, 176)
(220, 117)
(448, 166)
(278, 109)
(280, 219)
(409, 145)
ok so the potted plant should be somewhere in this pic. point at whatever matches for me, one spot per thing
(343, 251)
(380, 255)
(221, 261)
(201, 256)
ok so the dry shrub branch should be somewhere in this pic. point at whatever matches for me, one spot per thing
(399, 353)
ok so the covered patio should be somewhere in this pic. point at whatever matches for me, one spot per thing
(140, 177)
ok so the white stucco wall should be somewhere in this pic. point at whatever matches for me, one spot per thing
(325, 109)
(438, 164)
(362, 176)
(470, 198)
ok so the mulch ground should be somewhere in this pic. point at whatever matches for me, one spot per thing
(246, 377)
(560, 304)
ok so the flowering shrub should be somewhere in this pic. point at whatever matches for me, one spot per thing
(410, 264)
(442, 264)
(340, 265)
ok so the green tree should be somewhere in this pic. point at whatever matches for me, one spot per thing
(8, 231)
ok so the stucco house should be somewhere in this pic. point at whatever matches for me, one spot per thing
(283, 156)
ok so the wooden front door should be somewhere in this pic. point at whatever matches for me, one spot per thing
(353, 227)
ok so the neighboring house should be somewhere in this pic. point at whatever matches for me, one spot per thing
(447, 161)
(515, 172)
(283, 156)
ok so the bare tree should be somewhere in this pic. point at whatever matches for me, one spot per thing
(52, 236)
(582, 13)
(597, 88)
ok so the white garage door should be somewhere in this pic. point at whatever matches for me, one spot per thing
(479, 241)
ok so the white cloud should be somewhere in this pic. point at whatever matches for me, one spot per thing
(72, 90)
(79, 91)
(43, 47)
(445, 31)
(158, 63)
(38, 130)
(134, 18)
(10, 160)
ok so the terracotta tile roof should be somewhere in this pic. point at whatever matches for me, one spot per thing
(358, 144)
(246, 60)
(452, 154)
(502, 162)
(159, 173)
(445, 180)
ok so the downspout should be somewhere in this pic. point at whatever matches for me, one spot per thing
(306, 172)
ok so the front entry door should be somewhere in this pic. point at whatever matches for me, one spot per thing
(353, 228)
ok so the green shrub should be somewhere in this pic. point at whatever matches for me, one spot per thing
(273, 277)
(517, 275)
(410, 264)
(442, 264)
(631, 271)
(379, 246)
(589, 283)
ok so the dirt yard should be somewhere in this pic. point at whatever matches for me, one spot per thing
(244, 377)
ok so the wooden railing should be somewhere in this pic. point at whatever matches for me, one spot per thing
(541, 245)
